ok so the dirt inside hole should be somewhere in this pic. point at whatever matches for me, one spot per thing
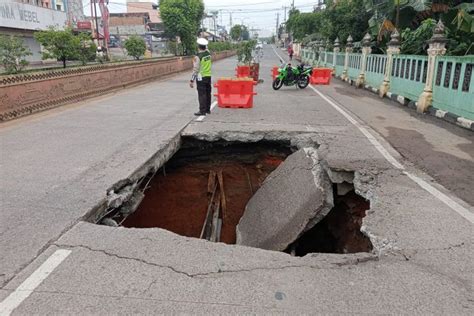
(339, 231)
(178, 197)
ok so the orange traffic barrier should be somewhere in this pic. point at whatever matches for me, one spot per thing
(274, 72)
(321, 76)
(235, 93)
(243, 71)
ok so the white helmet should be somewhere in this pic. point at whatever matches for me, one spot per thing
(202, 41)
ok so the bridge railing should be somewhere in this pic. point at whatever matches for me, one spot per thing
(443, 82)
(408, 76)
(453, 89)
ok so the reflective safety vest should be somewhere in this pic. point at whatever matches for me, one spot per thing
(205, 63)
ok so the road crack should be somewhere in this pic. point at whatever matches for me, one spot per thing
(321, 266)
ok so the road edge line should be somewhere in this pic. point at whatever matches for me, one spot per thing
(27, 287)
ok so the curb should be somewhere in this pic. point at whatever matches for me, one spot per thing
(446, 116)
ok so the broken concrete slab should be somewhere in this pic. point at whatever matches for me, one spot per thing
(295, 197)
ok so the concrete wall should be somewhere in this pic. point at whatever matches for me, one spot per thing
(28, 93)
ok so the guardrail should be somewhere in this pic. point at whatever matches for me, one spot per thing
(33, 92)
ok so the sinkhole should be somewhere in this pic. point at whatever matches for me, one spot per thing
(203, 191)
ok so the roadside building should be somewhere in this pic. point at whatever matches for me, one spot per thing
(154, 23)
(23, 18)
(154, 27)
(122, 25)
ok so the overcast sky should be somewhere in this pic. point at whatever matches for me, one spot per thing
(258, 14)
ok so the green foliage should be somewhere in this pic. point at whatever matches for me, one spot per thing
(341, 19)
(415, 41)
(460, 29)
(236, 32)
(62, 45)
(383, 14)
(463, 20)
(12, 54)
(87, 49)
(182, 18)
(345, 18)
(244, 52)
(135, 46)
(302, 24)
(239, 33)
(221, 46)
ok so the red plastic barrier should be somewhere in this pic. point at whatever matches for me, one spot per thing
(321, 76)
(274, 72)
(235, 93)
(243, 71)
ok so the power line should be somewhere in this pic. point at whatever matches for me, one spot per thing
(238, 5)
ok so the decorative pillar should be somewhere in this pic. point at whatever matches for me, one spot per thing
(321, 50)
(336, 50)
(437, 47)
(326, 49)
(314, 53)
(393, 49)
(366, 50)
(349, 48)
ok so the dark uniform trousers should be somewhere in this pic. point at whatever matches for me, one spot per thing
(204, 89)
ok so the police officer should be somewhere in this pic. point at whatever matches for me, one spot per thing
(202, 75)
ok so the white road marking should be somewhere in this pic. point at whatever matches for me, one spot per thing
(364, 131)
(441, 196)
(202, 117)
(22, 292)
(422, 183)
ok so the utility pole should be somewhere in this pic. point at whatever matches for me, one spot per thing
(96, 22)
(278, 24)
(293, 5)
(284, 19)
(230, 21)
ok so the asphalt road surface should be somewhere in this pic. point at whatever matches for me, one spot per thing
(58, 165)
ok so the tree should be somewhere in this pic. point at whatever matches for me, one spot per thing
(236, 32)
(339, 19)
(239, 33)
(414, 42)
(62, 45)
(135, 46)
(244, 52)
(182, 18)
(12, 54)
(87, 49)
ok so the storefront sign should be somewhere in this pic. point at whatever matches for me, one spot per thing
(29, 17)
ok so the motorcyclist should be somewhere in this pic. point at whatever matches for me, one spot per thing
(289, 71)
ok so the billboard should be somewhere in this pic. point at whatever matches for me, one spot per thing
(29, 17)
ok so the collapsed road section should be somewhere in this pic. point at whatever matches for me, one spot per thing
(273, 195)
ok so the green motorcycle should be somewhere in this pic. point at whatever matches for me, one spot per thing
(289, 76)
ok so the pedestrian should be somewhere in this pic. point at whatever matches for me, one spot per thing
(290, 52)
(202, 75)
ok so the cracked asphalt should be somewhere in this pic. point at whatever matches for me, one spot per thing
(56, 167)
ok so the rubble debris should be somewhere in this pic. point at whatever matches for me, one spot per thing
(294, 198)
